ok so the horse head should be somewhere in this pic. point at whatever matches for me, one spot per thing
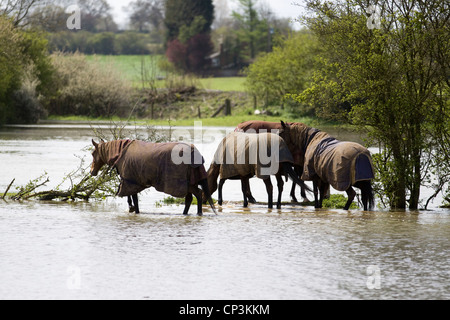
(97, 162)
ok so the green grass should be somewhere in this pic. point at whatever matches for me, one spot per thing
(337, 201)
(224, 84)
(228, 121)
(132, 68)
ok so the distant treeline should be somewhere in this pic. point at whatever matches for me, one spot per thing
(127, 42)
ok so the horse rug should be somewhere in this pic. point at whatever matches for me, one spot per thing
(242, 154)
(168, 167)
(257, 126)
(339, 163)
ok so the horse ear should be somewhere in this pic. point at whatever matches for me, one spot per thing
(283, 124)
(94, 143)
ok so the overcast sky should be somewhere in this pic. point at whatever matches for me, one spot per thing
(281, 8)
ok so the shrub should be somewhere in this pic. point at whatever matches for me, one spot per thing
(87, 88)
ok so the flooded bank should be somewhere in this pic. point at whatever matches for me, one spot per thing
(97, 250)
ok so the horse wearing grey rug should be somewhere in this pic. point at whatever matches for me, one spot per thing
(243, 156)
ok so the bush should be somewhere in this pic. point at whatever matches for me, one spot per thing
(25, 103)
(87, 88)
(190, 56)
(25, 74)
(286, 70)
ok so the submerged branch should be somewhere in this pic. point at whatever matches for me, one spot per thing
(7, 189)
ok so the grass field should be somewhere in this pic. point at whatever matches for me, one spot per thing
(137, 67)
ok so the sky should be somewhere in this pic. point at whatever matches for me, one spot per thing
(281, 8)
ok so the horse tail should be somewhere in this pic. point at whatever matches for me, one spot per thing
(204, 184)
(367, 193)
(287, 169)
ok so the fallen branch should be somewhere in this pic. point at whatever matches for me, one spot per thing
(7, 189)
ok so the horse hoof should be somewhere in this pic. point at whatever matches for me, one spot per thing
(132, 209)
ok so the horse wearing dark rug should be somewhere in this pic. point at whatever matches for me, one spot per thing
(328, 161)
(242, 156)
(257, 126)
(173, 168)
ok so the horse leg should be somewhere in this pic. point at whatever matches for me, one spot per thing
(221, 183)
(187, 203)
(316, 193)
(280, 184)
(198, 194)
(351, 195)
(244, 191)
(249, 195)
(269, 189)
(324, 188)
(136, 203)
(131, 208)
(293, 197)
(297, 170)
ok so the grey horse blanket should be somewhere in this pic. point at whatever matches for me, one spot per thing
(168, 167)
(242, 154)
(340, 163)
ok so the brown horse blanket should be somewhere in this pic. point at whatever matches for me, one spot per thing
(339, 163)
(169, 167)
(241, 154)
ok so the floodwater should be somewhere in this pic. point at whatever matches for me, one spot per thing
(96, 250)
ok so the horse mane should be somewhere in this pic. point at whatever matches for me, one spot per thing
(111, 151)
(299, 134)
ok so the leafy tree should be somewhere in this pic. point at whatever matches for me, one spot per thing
(286, 70)
(390, 78)
(11, 49)
(183, 13)
(252, 31)
(146, 14)
(188, 24)
(25, 73)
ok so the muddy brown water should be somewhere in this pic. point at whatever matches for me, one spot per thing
(96, 250)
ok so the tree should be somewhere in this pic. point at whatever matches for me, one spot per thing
(146, 14)
(390, 78)
(18, 10)
(188, 25)
(286, 70)
(252, 31)
(182, 13)
(25, 73)
(96, 16)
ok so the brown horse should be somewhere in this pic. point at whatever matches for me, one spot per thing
(173, 168)
(328, 161)
(256, 126)
(242, 156)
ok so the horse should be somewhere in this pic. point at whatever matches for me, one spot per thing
(242, 156)
(173, 168)
(257, 126)
(328, 161)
